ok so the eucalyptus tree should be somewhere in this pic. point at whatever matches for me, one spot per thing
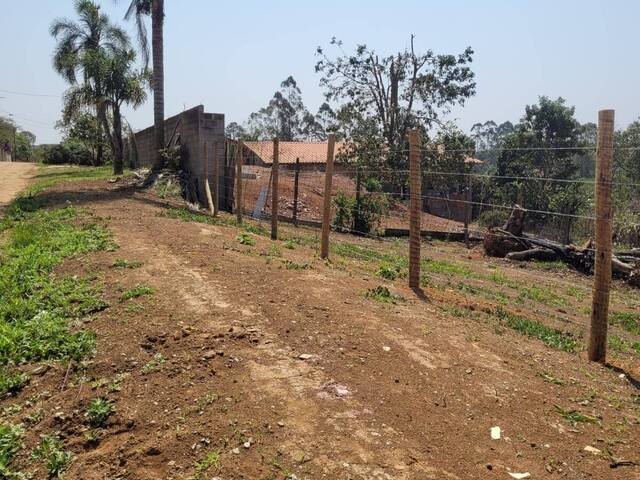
(91, 33)
(140, 10)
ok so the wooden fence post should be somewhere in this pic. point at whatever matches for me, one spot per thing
(415, 210)
(296, 181)
(216, 180)
(274, 189)
(468, 210)
(205, 172)
(239, 202)
(604, 213)
(326, 211)
(357, 224)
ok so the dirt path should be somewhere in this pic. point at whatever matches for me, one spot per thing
(14, 177)
(277, 362)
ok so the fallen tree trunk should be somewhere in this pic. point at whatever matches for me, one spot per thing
(510, 242)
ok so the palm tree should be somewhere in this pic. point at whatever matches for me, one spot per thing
(140, 10)
(120, 84)
(92, 33)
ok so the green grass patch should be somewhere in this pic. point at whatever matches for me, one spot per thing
(51, 451)
(35, 306)
(12, 383)
(389, 272)
(547, 377)
(10, 445)
(222, 220)
(289, 265)
(628, 321)
(289, 244)
(444, 267)
(531, 328)
(124, 264)
(573, 417)
(541, 295)
(136, 292)
(551, 265)
(621, 345)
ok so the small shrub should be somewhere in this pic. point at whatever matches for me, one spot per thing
(51, 451)
(344, 211)
(389, 272)
(573, 417)
(245, 239)
(289, 265)
(10, 384)
(136, 292)
(382, 294)
(99, 411)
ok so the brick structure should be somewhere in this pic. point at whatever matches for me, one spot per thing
(189, 129)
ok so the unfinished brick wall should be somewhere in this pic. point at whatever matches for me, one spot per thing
(191, 129)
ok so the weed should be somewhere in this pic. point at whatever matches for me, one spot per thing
(577, 293)
(121, 263)
(289, 244)
(289, 265)
(574, 417)
(99, 411)
(35, 306)
(136, 292)
(541, 295)
(629, 321)
(274, 251)
(12, 383)
(34, 417)
(446, 268)
(551, 265)
(212, 459)
(134, 308)
(51, 451)
(621, 345)
(156, 362)
(382, 294)
(10, 445)
(547, 377)
(549, 336)
(388, 272)
(244, 238)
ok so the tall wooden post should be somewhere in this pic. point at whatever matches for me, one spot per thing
(205, 174)
(415, 210)
(274, 189)
(296, 182)
(604, 214)
(468, 209)
(216, 180)
(239, 202)
(357, 224)
(326, 211)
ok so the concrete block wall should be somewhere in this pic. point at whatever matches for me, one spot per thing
(191, 129)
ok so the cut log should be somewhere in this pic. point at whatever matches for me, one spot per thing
(537, 253)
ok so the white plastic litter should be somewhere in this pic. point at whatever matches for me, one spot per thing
(520, 476)
(495, 433)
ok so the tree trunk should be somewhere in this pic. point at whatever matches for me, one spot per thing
(157, 19)
(118, 153)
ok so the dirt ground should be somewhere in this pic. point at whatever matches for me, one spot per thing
(14, 177)
(311, 195)
(279, 363)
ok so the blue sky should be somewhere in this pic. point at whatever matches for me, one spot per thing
(231, 56)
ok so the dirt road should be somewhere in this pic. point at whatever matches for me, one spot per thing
(14, 177)
(263, 362)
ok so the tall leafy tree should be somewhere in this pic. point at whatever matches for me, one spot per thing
(401, 91)
(91, 34)
(140, 10)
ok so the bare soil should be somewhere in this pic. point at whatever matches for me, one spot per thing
(14, 177)
(273, 349)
